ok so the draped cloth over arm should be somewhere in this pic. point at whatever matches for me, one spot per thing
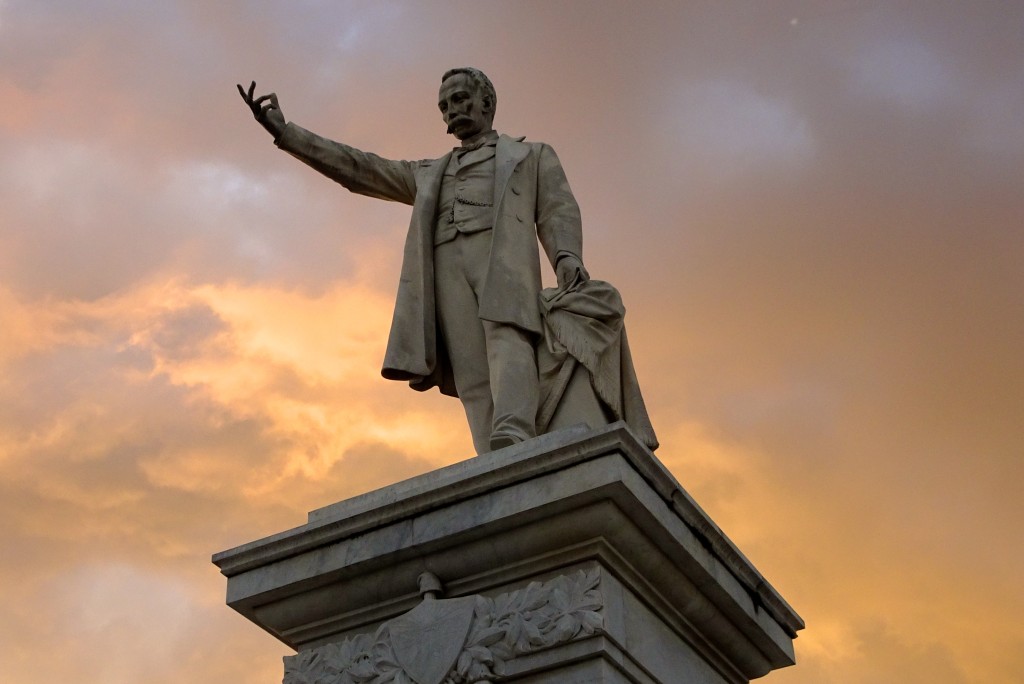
(584, 325)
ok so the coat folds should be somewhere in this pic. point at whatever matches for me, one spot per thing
(530, 190)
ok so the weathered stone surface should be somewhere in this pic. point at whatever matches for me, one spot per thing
(469, 300)
(673, 599)
(459, 641)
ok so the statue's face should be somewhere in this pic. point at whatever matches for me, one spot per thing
(465, 109)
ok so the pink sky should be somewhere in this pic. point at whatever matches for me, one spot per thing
(813, 211)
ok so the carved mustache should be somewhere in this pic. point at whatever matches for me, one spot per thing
(458, 121)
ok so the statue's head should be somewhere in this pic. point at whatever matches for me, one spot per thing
(467, 101)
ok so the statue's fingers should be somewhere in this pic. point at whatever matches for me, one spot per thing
(272, 104)
(241, 91)
(259, 107)
(252, 89)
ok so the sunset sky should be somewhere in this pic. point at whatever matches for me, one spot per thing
(814, 211)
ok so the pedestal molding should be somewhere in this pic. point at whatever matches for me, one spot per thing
(677, 595)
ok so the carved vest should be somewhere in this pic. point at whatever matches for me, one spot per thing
(466, 204)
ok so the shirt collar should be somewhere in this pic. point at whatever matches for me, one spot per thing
(479, 140)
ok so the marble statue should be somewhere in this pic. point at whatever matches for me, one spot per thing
(471, 317)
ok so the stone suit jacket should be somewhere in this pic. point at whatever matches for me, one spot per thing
(530, 189)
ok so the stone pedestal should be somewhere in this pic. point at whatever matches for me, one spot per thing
(574, 557)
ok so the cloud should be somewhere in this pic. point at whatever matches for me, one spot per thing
(117, 623)
(150, 428)
(904, 72)
(815, 228)
(724, 129)
(213, 394)
(881, 595)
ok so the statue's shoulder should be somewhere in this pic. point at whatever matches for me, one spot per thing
(517, 146)
(535, 146)
(427, 165)
(514, 141)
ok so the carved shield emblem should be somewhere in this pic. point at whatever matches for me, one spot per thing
(428, 639)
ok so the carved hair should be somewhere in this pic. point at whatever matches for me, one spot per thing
(479, 80)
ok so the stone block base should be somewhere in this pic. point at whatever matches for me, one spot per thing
(573, 557)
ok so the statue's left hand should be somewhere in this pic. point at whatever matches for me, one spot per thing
(570, 269)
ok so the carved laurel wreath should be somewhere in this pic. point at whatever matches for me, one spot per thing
(535, 617)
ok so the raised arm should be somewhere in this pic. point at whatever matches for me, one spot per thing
(361, 172)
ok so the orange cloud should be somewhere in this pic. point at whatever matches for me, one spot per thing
(188, 418)
(815, 226)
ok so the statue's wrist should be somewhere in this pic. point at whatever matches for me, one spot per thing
(565, 254)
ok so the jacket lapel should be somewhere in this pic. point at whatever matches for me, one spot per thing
(429, 184)
(507, 155)
(428, 194)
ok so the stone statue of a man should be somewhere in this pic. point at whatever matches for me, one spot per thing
(467, 318)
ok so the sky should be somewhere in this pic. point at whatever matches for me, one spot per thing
(813, 211)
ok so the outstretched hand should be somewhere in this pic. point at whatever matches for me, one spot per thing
(266, 110)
